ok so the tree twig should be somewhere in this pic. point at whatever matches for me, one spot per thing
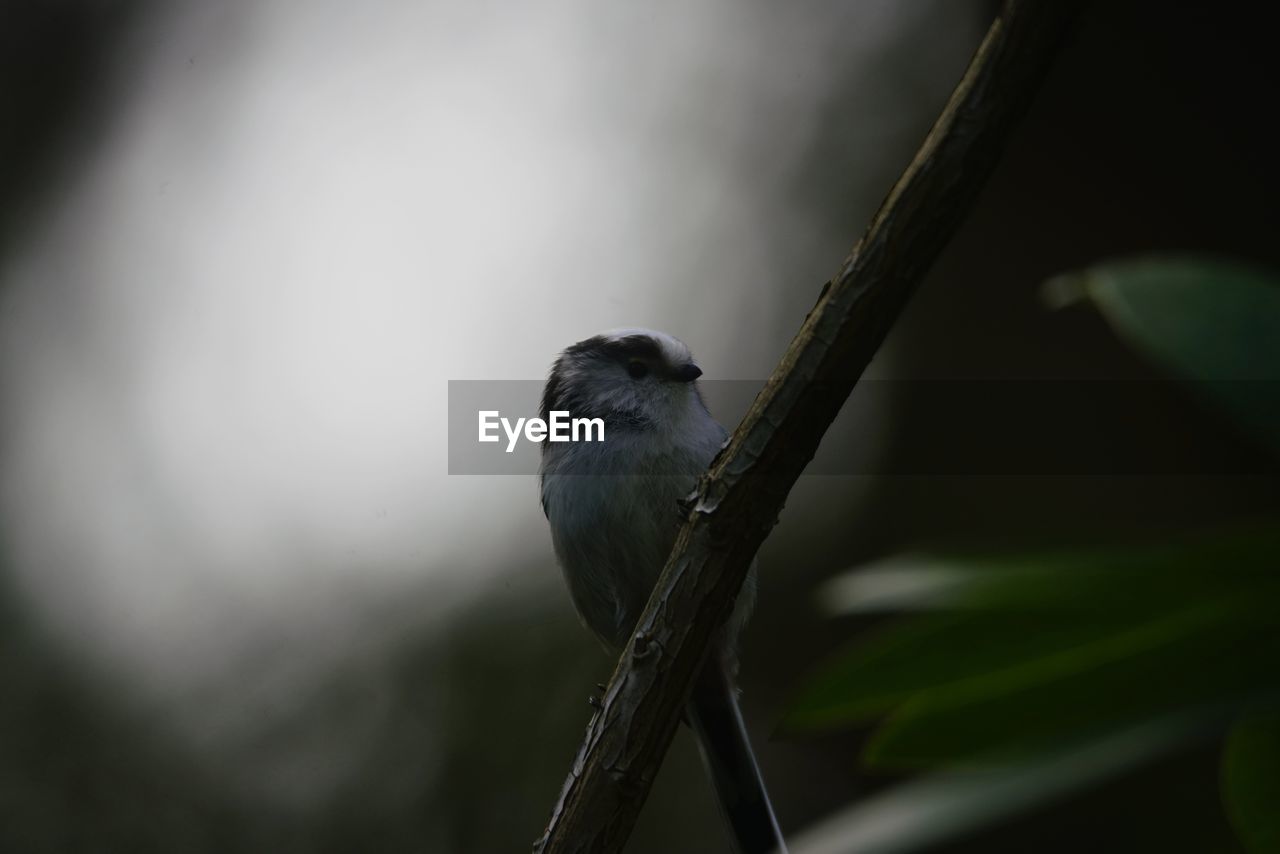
(738, 500)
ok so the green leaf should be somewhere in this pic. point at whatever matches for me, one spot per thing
(874, 676)
(1211, 321)
(1251, 781)
(1018, 621)
(1134, 580)
(1196, 661)
(929, 809)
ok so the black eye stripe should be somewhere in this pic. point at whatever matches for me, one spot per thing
(637, 369)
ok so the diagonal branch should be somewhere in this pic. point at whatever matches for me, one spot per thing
(738, 500)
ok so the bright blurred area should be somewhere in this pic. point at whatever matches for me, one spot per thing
(243, 249)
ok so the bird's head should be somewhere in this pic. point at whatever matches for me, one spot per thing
(635, 379)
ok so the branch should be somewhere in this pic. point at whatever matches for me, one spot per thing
(738, 500)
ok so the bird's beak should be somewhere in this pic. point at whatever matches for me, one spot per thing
(687, 373)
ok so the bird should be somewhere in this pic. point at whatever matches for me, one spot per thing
(614, 511)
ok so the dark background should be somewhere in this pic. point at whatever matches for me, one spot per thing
(1153, 133)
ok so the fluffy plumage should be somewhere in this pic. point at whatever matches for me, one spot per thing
(613, 505)
(614, 512)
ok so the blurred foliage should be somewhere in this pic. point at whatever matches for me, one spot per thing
(1210, 322)
(1251, 784)
(1016, 659)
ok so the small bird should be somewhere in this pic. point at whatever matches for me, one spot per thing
(613, 507)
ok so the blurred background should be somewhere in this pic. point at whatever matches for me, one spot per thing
(244, 247)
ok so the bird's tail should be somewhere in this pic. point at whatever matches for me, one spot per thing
(714, 716)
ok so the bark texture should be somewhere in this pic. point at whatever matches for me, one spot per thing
(737, 502)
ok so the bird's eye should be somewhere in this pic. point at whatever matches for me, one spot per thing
(637, 369)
